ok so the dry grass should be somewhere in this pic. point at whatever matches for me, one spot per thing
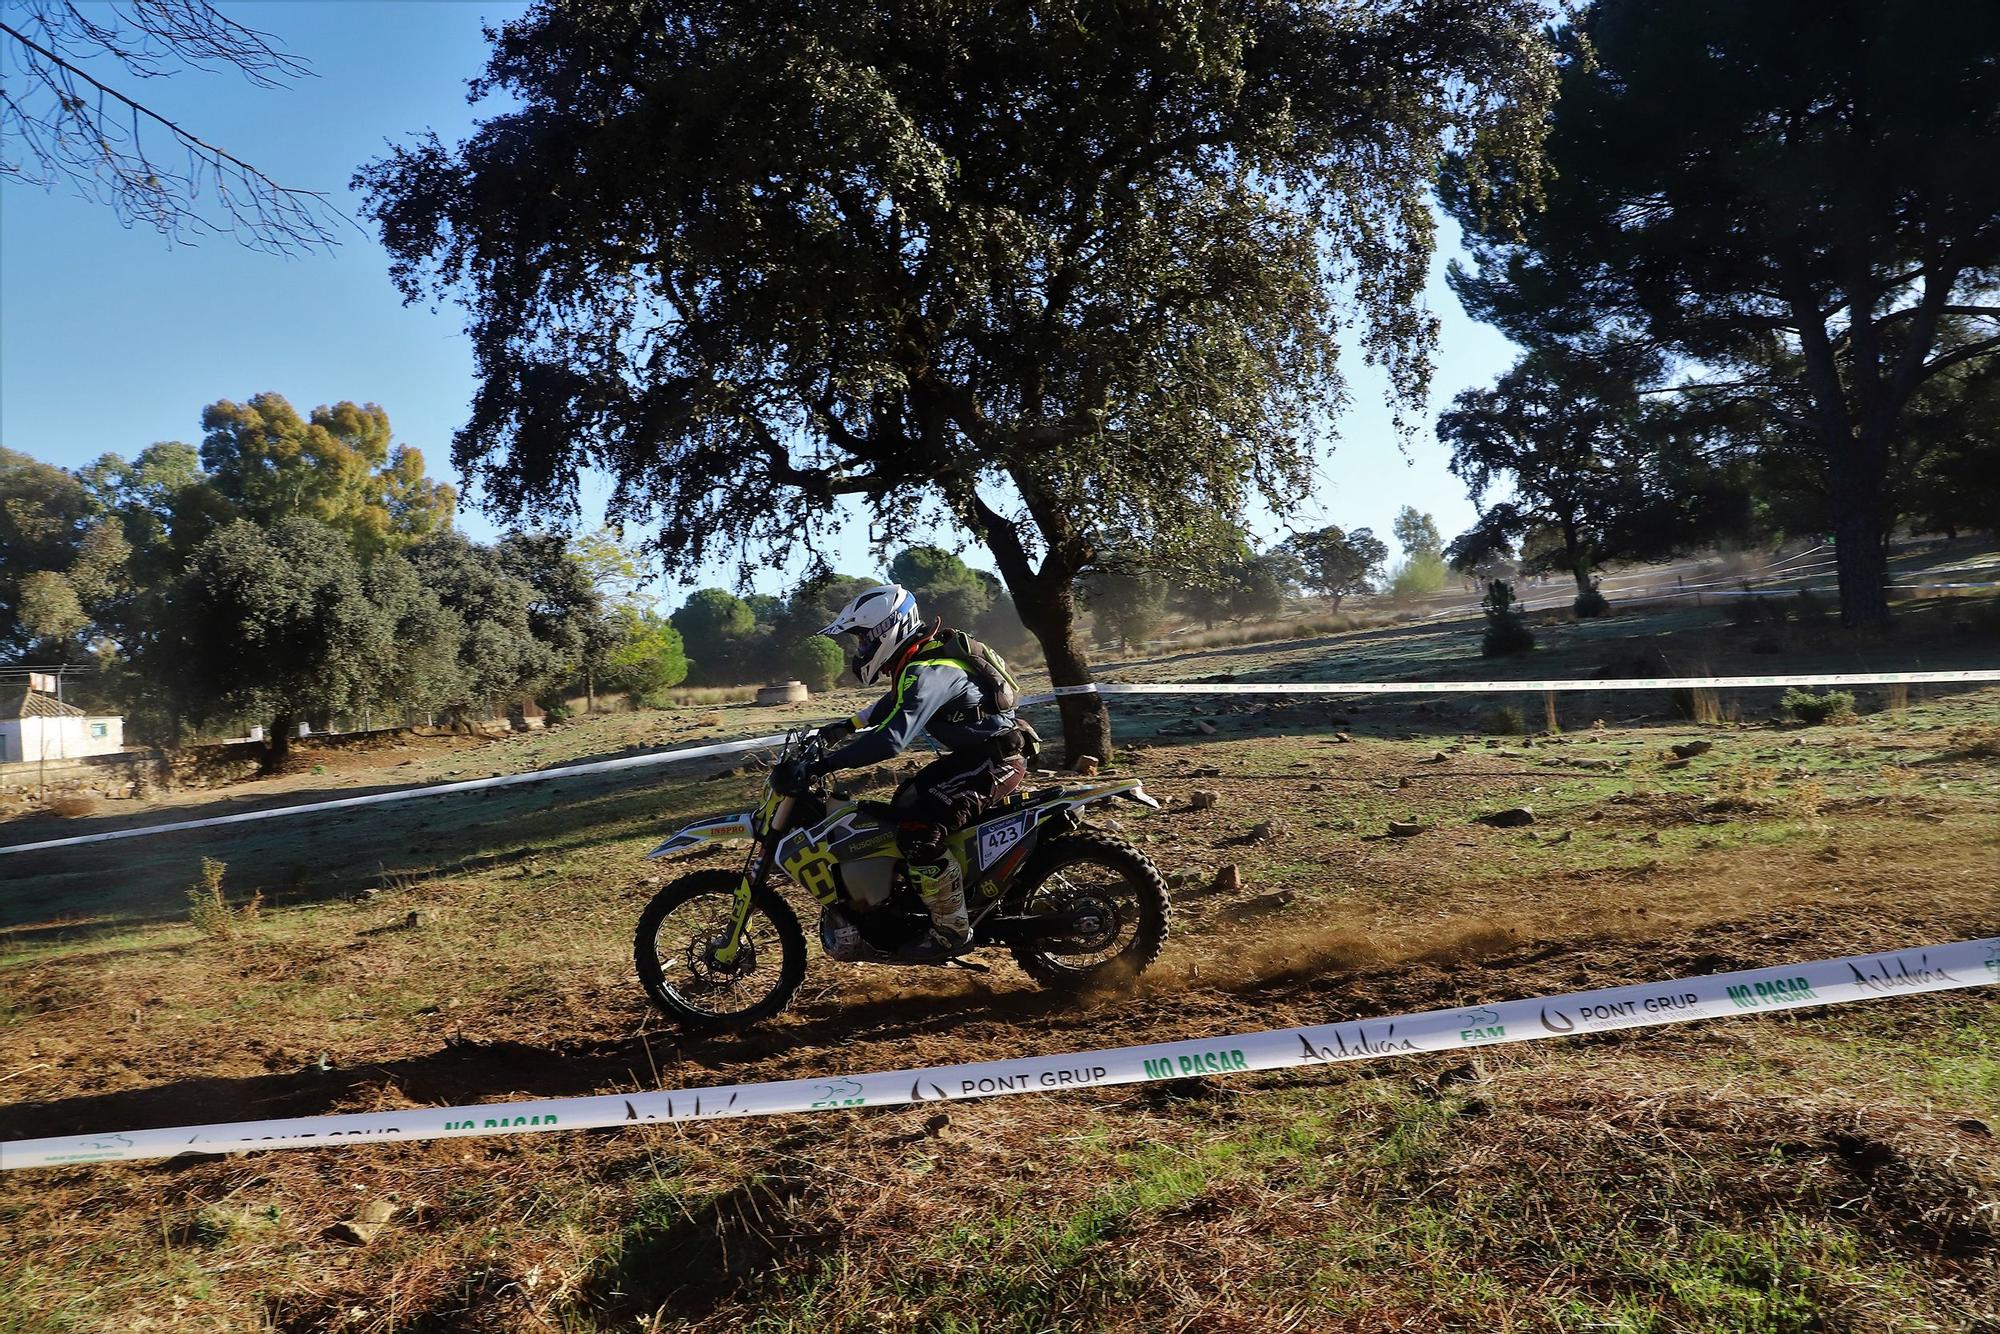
(71, 807)
(1803, 1172)
(1978, 742)
(1264, 632)
(702, 696)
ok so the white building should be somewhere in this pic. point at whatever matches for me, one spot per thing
(38, 726)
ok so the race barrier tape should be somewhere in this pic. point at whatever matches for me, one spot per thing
(408, 793)
(1753, 991)
(1096, 688)
(1986, 674)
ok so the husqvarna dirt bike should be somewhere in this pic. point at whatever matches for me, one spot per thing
(1075, 904)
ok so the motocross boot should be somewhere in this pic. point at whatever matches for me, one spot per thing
(941, 886)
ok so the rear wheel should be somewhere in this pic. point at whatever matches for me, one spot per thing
(675, 947)
(1103, 877)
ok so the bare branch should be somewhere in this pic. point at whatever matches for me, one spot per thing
(70, 125)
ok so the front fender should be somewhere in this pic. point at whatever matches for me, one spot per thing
(706, 833)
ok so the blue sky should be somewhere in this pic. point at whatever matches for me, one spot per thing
(111, 339)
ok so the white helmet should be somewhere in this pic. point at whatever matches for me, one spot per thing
(882, 620)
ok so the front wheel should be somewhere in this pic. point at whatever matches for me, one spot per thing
(1113, 885)
(675, 953)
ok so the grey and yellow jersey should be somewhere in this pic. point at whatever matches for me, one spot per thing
(933, 695)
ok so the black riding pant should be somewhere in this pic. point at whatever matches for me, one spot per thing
(948, 794)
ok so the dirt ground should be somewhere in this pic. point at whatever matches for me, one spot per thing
(1812, 1171)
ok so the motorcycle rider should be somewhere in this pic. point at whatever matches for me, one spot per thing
(952, 687)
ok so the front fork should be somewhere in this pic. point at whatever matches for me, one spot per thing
(739, 914)
(771, 821)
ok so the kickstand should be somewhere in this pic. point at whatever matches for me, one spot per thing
(969, 965)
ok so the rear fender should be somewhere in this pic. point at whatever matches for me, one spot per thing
(1074, 799)
(709, 833)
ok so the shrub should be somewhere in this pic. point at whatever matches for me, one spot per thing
(1811, 608)
(1506, 721)
(817, 661)
(650, 657)
(1810, 708)
(1745, 785)
(1419, 577)
(1506, 632)
(1981, 741)
(1591, 603)
(209, 914)
(1752, 608)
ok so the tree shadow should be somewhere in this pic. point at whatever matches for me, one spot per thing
(93, 888)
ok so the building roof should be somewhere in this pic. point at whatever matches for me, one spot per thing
(22, 703)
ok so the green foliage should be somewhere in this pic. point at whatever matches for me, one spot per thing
(619, 573)
(1417, 534)
(1333, 563)
(1585, 464)
(889, 281)
(336, 467)
(1233, 583)
(713, 614)
(1505, 720)
(426, 669)
(566, 611)
(275, 624)
(718, 629)
(817, 661)
(59, 559)
(1420, 576)
(1810, 708)
(649, 658)
(1507, 631)
(945, 586)
(48, 608)
(1127, 605)
(1591, 603)
(1954, 425)
(1796, 214)
(499, 658)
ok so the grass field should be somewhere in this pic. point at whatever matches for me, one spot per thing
(1813, 1171)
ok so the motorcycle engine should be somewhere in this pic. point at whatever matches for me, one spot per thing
(847, 941)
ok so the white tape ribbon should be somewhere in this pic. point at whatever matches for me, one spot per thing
(1754, 991)
(406, 794)
(1533, 687)
(1100, 688)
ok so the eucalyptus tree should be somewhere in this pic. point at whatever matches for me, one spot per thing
(1067, 274)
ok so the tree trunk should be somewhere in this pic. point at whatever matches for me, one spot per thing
(278, 743)
(1045, 599)
(1049, 612)
(1860, 534)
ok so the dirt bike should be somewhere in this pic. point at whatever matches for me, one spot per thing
(1075, 904)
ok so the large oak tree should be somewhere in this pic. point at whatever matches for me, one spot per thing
(1065, 270)
(1798, 195)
